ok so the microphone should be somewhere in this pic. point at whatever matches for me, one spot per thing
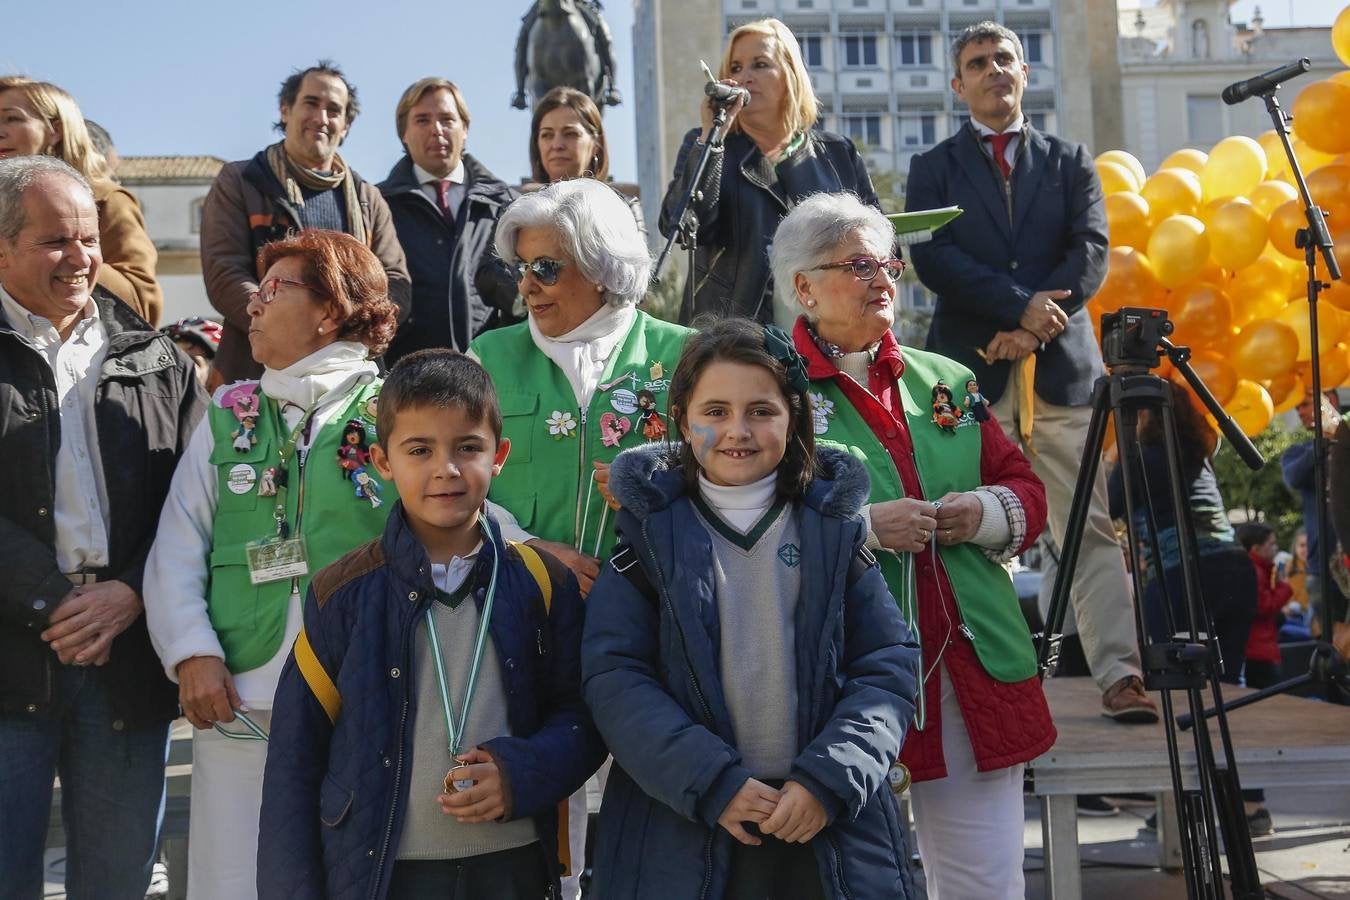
(1265, 82)
(725, 93)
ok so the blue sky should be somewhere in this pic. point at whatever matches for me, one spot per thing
(168, 77)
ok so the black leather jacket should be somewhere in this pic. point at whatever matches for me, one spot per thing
(147, 402)
(744, 197)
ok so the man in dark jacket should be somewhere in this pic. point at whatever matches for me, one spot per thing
(1013, 275)
(445, 205)
(300, 182)
(95, 409)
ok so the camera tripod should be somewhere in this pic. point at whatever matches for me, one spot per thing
(1133, 342)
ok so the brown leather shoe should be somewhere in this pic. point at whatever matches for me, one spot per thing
(1126, 702)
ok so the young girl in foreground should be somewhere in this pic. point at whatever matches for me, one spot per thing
(742, 655)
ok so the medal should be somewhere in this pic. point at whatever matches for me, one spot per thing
(657, 370)
(898, 778)
(454, 785)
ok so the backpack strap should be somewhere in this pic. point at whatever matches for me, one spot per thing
(318, 679)
(863, 560)
(538, 570)
(625, 561)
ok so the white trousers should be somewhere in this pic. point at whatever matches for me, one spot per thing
(227, 780)
(969, 824)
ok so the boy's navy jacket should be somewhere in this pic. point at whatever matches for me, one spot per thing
(334, 795)
(651, 676)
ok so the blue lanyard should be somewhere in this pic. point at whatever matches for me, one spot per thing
(455, 731)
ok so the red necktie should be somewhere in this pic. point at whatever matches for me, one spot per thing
(443, 194)
(1000, 142)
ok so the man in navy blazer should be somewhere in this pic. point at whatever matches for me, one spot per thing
(1012, 276)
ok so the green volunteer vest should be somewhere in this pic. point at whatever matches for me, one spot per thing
(946, 462)
(547, 481)
(321, 504)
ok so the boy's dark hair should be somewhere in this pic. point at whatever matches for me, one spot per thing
(1253, 534)
(740, 340)
(441, 379)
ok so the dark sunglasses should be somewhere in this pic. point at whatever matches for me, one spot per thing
(865, 268)
(544, 270)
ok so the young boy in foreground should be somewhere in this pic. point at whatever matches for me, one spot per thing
(430, 718)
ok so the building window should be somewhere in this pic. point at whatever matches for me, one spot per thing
(860, 50)
(1037, 120)
(194, 215)
(863, 128)
(749, 4)
(918, 131)
(1204, 119)
(1031, 47)
(811, 50)
(916, 48)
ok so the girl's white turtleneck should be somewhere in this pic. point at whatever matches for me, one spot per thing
(740, 505)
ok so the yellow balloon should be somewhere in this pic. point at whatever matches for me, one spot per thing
(1322, 116)
(1237, 234)
(1186, 158)
(1258, 291)
(1341, 77)
(1340, 36)
(1285, 222)
(1235, 166)
(1121, 157)
(1277, 164)
(1334, 368)
(1250, 407)
(1310, 159)
(1115, 178)
(1331, 326)
(1127, 220)
(1267, 195)
(1130, 281)
(1216, 372)
(1171, 192)
(1203, 314)
(1264, 349)
(1178, 249)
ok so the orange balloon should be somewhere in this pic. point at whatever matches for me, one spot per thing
(1258, 291)
(1310, 159)
(1115, 178)
(1237, 232)
(1285, 391)
(1330, 189)
(1203, 314)
(1186, 158)
(1331, 324)
(1171, 192)
(1264, 349)
(1216, 372)
(1268, 195)
(1338, 295)
(1277, 165)
(1130, 281)
(1235, 166)
(1127, 220)
(1178, 249)
(1334, 367)
(1123, 158)
(1322, 116)
(1250, 407)
(1285, 222)
(1340, 36)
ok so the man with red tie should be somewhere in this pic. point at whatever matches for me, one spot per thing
(445, 205)
(298, 182)
(1012, 277)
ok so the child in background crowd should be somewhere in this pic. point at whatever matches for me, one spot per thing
(429, 720)
(743, 657)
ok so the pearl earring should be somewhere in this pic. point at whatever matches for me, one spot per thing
(320, 329)
(810, 303)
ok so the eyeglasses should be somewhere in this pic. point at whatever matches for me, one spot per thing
(544, 270)
(267, 290)
(865, 268)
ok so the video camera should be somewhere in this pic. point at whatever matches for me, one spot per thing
(1132, 336)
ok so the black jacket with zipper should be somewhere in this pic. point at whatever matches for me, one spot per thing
(450, 303)
(147, 402)
(743, 198)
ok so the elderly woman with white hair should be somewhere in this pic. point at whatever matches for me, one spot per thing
(584, 377)
(951, 500)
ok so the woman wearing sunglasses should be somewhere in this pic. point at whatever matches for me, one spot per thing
(267, 494)
(951, 500)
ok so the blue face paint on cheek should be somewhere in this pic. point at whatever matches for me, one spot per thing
(705, 438)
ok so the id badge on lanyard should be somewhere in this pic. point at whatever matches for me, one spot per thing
(282, 555)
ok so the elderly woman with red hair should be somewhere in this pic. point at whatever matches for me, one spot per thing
(274, 485)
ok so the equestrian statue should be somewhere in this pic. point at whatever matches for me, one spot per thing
(565, 43)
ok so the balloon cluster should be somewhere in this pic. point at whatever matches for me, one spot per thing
(1210, 238)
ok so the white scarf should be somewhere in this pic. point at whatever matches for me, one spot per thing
(326, 373)
(741, 505)
(583, 352)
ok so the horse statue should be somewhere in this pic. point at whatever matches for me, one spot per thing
(565, 43)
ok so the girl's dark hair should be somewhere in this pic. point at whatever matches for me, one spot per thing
(1253, 534)
(1195, 439)
(741, 341)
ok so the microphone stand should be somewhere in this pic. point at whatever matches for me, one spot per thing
(686, 220)
(1313, 239)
